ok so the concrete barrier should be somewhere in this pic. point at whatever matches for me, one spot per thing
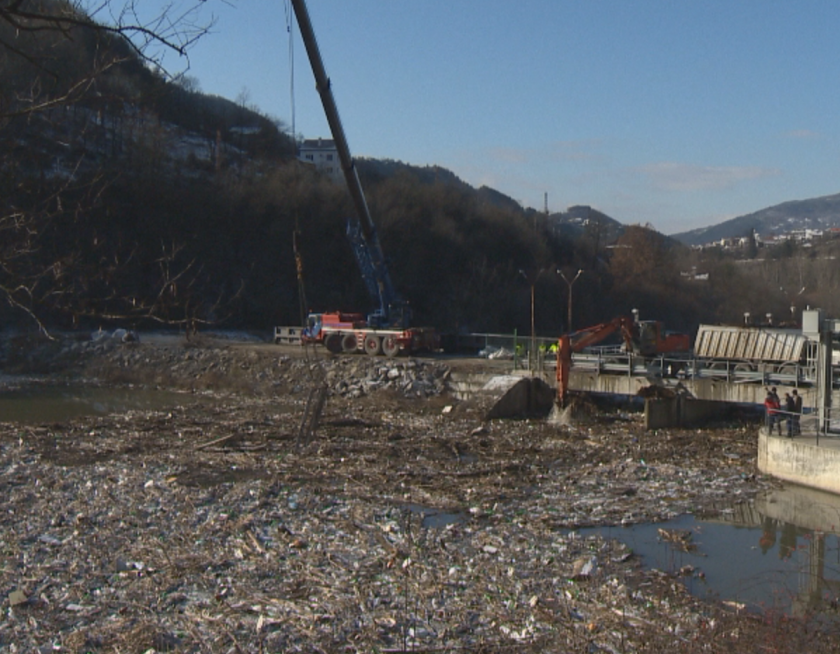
(800, 460)
(287, 335)
(682, 411)
(505, 396)
(527, 396)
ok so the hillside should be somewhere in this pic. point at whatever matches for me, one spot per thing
(138, 200)
(127, 199)
(815, 214)
(578, 221)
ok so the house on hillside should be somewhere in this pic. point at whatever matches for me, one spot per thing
(322, 154)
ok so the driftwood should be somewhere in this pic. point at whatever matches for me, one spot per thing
(131, 533)
(218, 441)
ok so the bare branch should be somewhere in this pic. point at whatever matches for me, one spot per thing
(75, 53)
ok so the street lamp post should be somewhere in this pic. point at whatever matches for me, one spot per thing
(532, 282)
(569, 284)
(533, 349)
(793, 297)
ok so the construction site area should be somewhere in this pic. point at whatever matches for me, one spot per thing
(360, 483)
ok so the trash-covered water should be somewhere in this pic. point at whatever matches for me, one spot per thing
(34, 403)
(432, 518)
(778, 555)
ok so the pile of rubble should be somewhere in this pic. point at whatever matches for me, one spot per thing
(358, 376)
(214, 364)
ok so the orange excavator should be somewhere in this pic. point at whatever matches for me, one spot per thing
(646, 338)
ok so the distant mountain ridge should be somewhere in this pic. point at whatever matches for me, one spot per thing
(816, 213)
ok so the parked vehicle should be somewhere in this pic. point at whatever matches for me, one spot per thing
(349, 333)
(750, 344)
(753, 349)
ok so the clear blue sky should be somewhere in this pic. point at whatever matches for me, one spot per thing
(680, 113)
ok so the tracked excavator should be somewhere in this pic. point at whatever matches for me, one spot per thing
(646, 338)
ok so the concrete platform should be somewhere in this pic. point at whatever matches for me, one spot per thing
(811, 460)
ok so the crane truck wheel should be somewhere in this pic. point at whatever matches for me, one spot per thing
(390, 346)
(373, 345)
(333, 343)
(348, 343)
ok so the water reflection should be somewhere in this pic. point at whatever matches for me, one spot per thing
(40, 403)
(801, 526)
(780, 554)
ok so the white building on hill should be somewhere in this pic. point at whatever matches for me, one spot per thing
(323, 154)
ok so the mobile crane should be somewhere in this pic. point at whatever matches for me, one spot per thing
(387, 329)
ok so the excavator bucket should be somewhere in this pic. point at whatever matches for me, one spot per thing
(561, 416)
(561, 411)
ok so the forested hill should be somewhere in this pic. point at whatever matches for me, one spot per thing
(129, 199)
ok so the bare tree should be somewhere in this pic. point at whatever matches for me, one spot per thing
(57, 56)
(32, 31)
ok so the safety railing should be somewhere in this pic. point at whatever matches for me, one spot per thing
(828, 424)
(788, 423)
(614, 361)
(523, 351)
(810, 423)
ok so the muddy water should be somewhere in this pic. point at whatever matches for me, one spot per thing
(778, 555)
(35, 403)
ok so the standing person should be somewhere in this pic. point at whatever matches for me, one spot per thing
(771, 406)
(797, 412)
(790, 411)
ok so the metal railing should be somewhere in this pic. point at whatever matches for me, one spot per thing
(809, 423)
(523, 351)
(611, 360)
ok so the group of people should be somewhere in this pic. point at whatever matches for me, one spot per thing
(777, 413)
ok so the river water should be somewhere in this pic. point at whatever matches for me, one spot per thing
(778, 554)
(35, 403)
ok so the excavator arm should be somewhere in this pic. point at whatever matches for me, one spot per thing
(577, 341)
(584, 338)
